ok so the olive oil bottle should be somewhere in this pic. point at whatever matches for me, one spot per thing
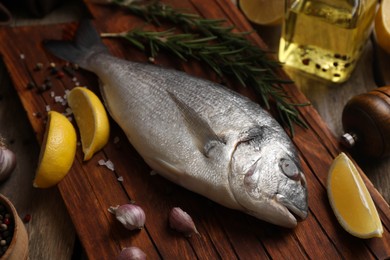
(326, 37)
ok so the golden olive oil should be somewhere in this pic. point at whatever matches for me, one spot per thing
(326, 38)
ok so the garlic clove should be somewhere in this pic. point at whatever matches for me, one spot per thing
(130, 215)
(131, 253)
(182, 222)
(7, 162)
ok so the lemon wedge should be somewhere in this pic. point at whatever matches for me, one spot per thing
(57, 152)
(350, 200)
(91, 119)
(382, 25)
(263, 12)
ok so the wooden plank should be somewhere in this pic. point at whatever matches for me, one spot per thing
(17, 131)
(89, 190)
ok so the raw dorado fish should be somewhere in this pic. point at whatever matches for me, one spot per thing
(197, 133)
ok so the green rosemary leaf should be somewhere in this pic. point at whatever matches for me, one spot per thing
(136, 43)
(203, 40)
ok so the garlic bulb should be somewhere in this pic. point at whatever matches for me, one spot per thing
(7, 161)
(131, 253)
(130, 215)
(182, 222)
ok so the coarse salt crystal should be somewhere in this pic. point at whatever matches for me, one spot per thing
(120, 178)
(68, 111)
(52, 94)
(58, 99)
(101, 162)
(47, 108)
(116, 139)
(109, 164)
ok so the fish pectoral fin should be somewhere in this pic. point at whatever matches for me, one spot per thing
(166, 169)
(204, 136)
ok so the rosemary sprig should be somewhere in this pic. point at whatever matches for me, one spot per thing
(212, 42)
(157, 13)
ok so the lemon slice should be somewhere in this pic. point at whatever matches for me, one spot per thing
(263, 12)
(382, 25)
(91, 119)
(57, 152)
(350, 200)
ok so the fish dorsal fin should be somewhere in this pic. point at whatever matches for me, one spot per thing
(204, 136)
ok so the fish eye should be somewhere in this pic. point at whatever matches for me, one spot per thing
(289, 168)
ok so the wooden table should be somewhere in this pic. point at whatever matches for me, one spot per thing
(51, 232)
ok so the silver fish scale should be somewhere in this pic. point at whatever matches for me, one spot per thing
(137, 97)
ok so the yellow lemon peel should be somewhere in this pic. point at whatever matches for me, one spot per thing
(57, 152)
(350, 200)
(91, 119)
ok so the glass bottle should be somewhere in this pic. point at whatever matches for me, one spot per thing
(326, 37)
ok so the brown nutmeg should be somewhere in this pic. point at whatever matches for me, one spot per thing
(366, 123)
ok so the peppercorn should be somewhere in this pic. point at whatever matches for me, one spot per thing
(6, 229)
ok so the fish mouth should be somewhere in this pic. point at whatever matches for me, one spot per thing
(297, 213)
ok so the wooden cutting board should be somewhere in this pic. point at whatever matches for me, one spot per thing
(90, 189)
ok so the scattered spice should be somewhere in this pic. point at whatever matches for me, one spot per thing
(30, 85)
(59, 99)
(53, 71)
(38, 66)
(152, 60)
(68, 111)
(27, 218)
(116, 139)
(41, 88)
(37, 114)
(306, 61)
(60, 75)
(109, 164)
(68, 70)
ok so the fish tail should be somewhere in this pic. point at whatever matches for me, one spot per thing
(87, 42)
